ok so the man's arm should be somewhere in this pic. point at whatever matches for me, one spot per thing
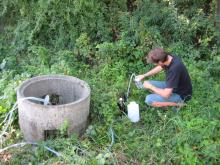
(152, 72)
(166, 93)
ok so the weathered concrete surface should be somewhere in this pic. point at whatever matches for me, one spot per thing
(35, 118)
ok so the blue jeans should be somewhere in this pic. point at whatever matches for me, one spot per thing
(157, 98)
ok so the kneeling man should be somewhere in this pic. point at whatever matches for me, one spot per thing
(177, 87)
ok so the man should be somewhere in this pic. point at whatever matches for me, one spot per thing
(177, 87)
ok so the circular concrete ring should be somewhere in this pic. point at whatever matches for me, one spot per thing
(36, 118)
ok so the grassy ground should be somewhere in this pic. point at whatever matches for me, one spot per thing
(189, 136)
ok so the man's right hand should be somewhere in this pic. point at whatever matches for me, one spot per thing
(152, 72)
(140, 77)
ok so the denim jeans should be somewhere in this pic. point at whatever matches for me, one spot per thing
(157, 98)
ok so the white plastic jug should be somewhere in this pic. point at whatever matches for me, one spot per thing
(133, 111)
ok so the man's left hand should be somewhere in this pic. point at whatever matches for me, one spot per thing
(147, 85)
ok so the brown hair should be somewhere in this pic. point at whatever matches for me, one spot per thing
(156, 55)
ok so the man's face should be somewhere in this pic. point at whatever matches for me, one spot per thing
(160, 64)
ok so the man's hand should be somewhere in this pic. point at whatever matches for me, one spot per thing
(147, 85)
(140, 77)
(166, 93)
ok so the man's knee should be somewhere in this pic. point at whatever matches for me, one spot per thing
(149, 100)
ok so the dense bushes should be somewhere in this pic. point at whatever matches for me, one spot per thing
(104, 42)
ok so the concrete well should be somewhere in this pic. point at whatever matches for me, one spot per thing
(73, 107)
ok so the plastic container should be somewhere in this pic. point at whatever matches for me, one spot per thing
(136, 79)
(138, 83)
(133, 111)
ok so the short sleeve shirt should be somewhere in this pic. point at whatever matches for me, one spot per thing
(177, 77)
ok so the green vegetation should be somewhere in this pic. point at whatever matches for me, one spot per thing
(103, 42)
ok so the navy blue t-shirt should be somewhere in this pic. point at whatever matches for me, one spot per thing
(177, 77)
